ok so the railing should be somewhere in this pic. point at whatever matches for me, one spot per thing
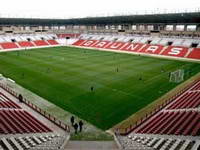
(37, 109)
(125, 131)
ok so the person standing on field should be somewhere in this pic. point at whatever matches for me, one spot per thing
(92, 88)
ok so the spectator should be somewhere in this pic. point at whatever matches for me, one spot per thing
(72, 120)
(20, 97)
(80, 126)
(75, 127)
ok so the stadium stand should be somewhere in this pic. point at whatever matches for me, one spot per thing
(188, 100)
(16, 120)
(152, 49)
(25, 44)
(196, 86)
(79, 42)
(178, 112)
(22, 41)
(144, 142)
(195, 54)
(135, 43)
(37, 142)
(20, 121)
(179, 47)
(22, 127)
(170, 127)
(176, 51)
(5, 102)
(9, 45)
(52, 42)
(172, 123)
(40, 43)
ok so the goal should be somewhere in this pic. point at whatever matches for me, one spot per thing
(177, 76)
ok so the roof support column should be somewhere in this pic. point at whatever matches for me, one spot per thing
(185, 27)
(198, 28)
(174, 27)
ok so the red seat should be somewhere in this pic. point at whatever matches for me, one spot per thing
(195, 54)
(52, 42)
(196, 86)
(25, 44)
(88, 43)
(186, 123)
(191, 125)
(196, 129)
(176, 51)
(7, 103)
(152, 49)
(8, 45)
(115, 45)
(172, 123)
(189, 100)
(19, 121)
(151, 125)
(41, 43)
(167, 120)
(78, 43)
(101, 44)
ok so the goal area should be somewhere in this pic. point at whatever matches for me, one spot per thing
(177, 76)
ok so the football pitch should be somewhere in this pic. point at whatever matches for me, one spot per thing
(122, 83)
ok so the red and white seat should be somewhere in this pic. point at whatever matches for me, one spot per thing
(152, 49)
(158, 49)
(195, 54)
(52, 42)
(176, 51)
(9, 45)
(26, 44)
(40, 43)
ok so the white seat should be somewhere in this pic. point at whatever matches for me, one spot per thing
(158, 143)
(16, 143)
(7, 144)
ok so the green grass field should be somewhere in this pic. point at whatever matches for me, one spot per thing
(65, 75)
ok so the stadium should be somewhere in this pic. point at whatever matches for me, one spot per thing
(101, 82)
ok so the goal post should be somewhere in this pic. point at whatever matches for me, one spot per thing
(177, 76)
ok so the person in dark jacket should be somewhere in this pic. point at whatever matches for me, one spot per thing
(72, 120)
(75, 127)
(20, 97)
(80, 126)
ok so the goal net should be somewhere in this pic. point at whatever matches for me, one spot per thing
(177, 76)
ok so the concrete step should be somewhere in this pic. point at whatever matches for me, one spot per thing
(91, 145)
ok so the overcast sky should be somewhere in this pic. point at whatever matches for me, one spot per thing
(84, 8)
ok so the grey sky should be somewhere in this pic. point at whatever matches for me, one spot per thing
(83, 8)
